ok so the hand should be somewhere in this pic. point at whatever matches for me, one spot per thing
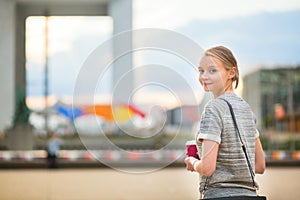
(189, 163)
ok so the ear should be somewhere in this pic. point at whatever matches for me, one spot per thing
(232, 73)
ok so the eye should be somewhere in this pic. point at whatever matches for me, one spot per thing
(213, 70)
(201, 70)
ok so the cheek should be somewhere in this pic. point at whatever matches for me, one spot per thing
(224, 77)
(216, 77)
(200, 79)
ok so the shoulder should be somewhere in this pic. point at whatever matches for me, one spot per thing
(240, 106)
(235, 101)
(216, 106)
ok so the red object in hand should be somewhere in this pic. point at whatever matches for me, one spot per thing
(191, 149)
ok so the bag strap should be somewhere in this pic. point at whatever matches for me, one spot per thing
(242, 142)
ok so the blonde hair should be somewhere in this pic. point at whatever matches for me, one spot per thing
(227, 58)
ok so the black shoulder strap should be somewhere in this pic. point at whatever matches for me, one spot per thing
(242, 142)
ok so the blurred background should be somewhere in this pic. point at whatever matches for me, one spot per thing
(43, 48)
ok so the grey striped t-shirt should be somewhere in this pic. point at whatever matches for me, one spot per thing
(232, 176)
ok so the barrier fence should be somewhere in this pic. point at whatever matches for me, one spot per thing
(176, 155)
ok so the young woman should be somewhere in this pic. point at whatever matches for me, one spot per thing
(223, 168)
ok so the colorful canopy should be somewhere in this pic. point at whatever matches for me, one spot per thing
(120, 113)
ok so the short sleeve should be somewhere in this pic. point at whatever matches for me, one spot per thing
(211, 124)
(256, 133)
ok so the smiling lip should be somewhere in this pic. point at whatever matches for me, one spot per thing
(206, 84)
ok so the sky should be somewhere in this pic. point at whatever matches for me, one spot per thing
(171, 14)
(205, 22)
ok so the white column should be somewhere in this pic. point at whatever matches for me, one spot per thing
(121, 12)
(7, 62)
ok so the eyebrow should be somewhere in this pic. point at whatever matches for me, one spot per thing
(209, 66)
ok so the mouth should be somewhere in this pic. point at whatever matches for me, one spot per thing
(206, 84)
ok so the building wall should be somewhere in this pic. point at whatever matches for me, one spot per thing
(7, 62)
(269, 89)
(252, 94)
(12, 39)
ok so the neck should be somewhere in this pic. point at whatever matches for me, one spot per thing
(228, 91)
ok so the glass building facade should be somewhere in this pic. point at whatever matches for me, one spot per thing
(274, 95)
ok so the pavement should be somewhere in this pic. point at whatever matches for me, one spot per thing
(109, 184)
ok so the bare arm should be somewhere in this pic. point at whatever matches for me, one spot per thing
(260, 164)
(207, 165)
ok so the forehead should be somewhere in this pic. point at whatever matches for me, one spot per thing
(209, 61)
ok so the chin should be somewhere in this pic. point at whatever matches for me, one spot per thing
(206, 89)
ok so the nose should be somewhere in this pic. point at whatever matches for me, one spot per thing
(203, 76)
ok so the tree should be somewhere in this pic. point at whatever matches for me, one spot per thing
(22, 112)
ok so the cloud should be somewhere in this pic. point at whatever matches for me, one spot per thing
(62, 33)
(63, 68)
(171, 14)
(257, 40)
